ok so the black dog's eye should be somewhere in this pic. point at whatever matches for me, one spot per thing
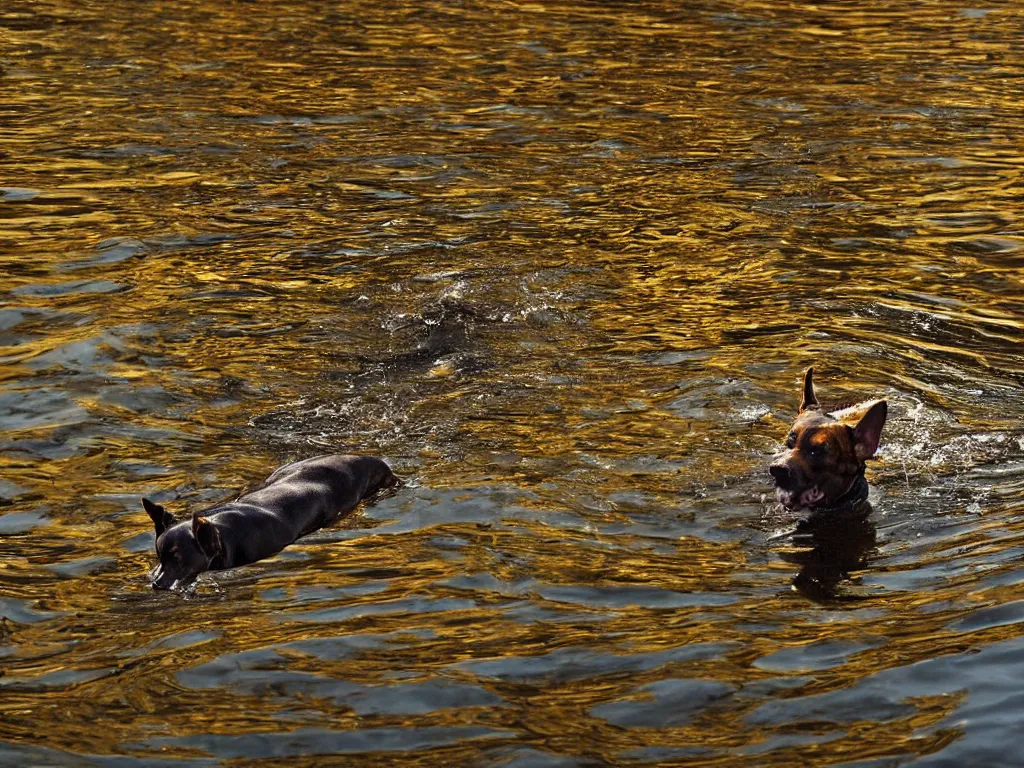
(791, 440)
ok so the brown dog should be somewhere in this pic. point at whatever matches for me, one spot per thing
(822, 467)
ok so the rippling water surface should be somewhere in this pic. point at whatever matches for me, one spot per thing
(563, 264)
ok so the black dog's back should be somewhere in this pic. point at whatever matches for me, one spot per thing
(315, 492)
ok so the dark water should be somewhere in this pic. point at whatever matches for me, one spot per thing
(563, 265)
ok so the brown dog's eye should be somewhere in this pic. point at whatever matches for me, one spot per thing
(791, 440)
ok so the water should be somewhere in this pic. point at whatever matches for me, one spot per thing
(563, 265)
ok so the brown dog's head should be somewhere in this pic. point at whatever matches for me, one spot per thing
(825, 452)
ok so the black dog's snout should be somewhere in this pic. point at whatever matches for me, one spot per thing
(781, 474)
(160, 579)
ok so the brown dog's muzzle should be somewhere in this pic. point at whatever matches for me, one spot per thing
(782, 475)
(794, 486)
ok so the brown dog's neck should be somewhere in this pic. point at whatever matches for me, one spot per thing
(851, 499)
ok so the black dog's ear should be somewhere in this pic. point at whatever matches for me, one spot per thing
(809, 400)
(868, 432)
(207, 535)
(162, 519)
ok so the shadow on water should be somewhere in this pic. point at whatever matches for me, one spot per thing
(562, 265)
(829, 549)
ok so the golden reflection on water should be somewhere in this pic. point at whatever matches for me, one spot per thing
(562, 264)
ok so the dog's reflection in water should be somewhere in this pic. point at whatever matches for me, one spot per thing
(828, 546)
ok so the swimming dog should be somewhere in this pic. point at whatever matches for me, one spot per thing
(822, 466)
(296, 499)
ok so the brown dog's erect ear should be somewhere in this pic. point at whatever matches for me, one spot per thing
(868, 431)
(207, 536)
(809, 400)
(162, 519)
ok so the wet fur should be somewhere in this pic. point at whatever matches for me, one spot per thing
(295, 500)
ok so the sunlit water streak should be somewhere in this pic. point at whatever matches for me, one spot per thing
(562, 265)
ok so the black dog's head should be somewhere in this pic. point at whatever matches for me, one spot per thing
(825, 452)
(184, 548)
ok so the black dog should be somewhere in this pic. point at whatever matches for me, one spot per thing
(297, 499)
